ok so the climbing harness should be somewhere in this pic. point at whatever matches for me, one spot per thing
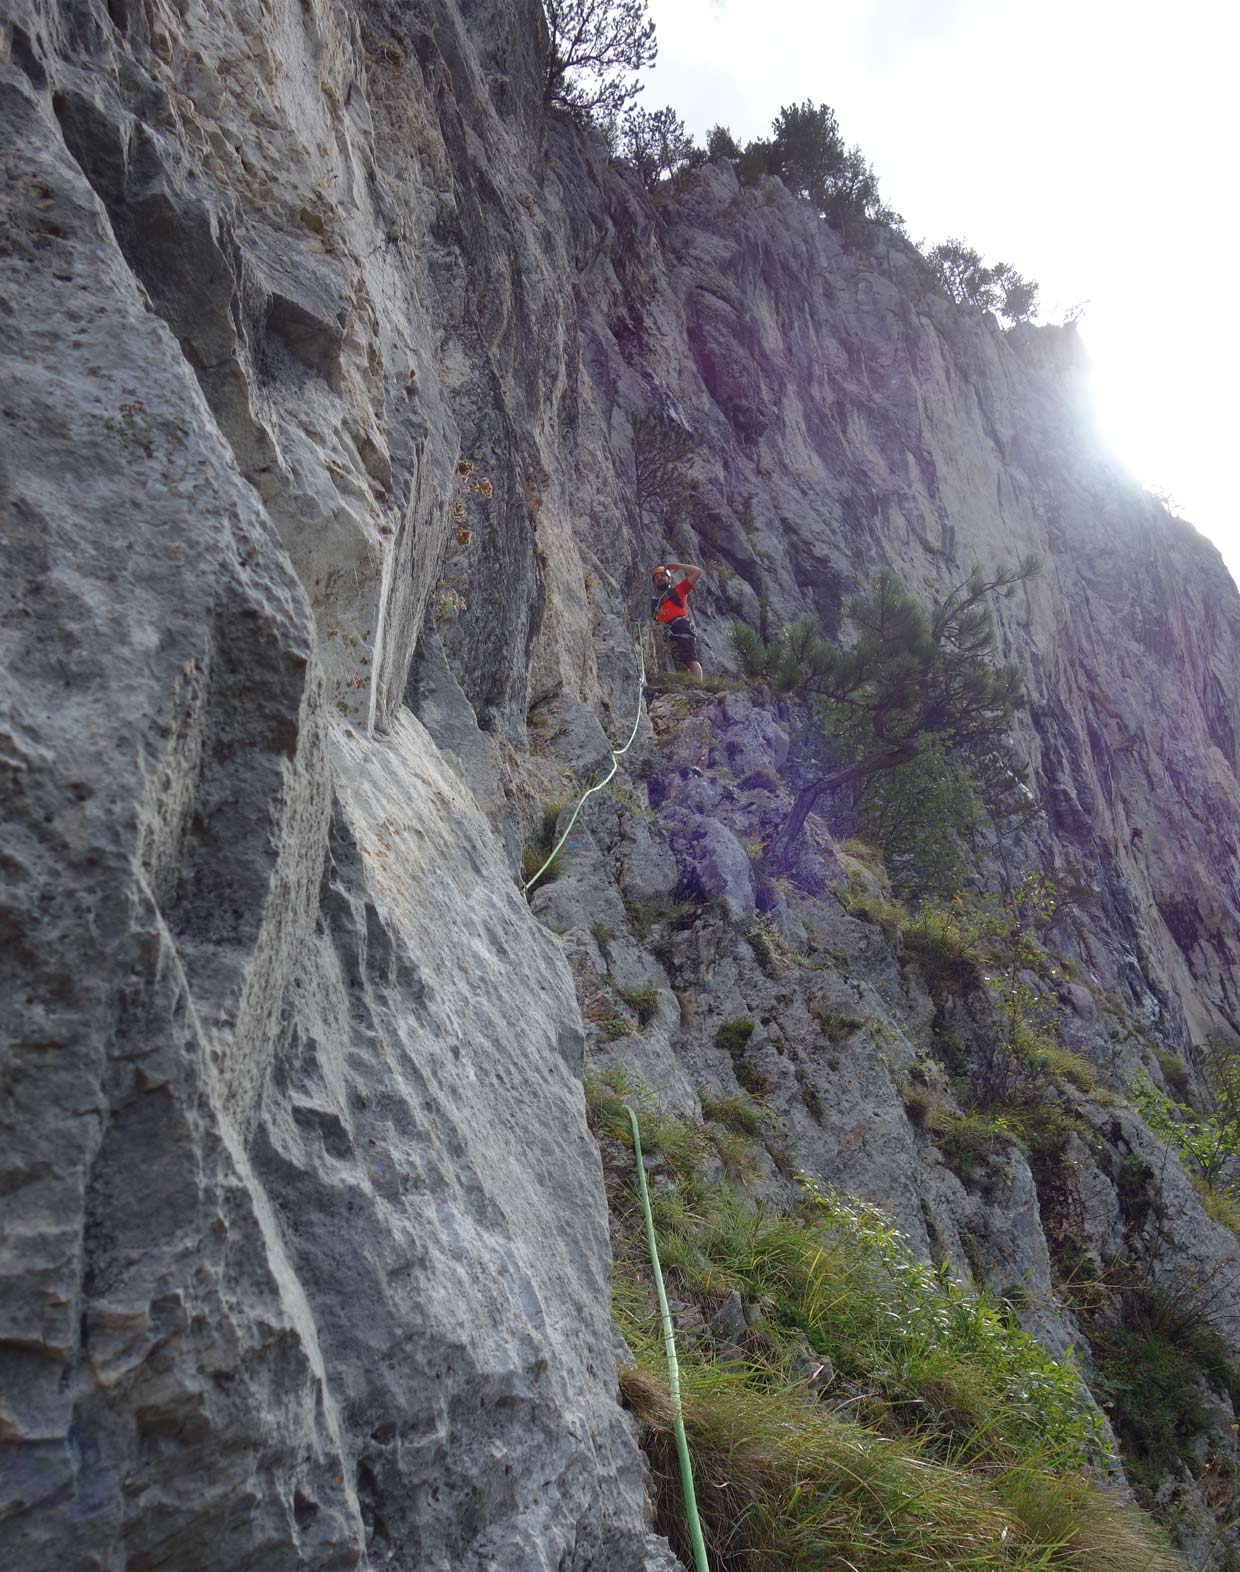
(589, 792)
(673, 1368)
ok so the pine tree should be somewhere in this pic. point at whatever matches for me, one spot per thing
(907, 674)
(597, 47)
(656, 142)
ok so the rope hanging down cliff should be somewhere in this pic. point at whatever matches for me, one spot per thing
(669, 1336)
(673, 1367)
(598, 786)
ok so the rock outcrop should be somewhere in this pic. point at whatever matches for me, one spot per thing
(346, 394)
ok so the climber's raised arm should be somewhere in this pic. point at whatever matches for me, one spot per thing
(692, 574)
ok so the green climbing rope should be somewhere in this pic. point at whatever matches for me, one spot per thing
(673, 1369)
(615, 765)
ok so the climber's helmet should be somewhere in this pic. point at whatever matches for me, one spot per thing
(661, 575)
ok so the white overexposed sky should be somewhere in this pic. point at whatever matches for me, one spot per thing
(1091, 144)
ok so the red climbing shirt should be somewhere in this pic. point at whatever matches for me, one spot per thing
(672, 604)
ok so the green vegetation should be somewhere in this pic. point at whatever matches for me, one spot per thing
(837, 1028)
(999, 288)
(720, 143)
(597, 46)
(871, 905)
(909, 675)
(645, 1001)
(681, 683)
(879, 1417)
(768, 945)
(752, 845)
(808, 153)
(662, 452)
(811, 1098)
(733, 1036)
(661, 911)
(1175, 1072)
(1153, 1370)
(1207, 1144)
(1219, 1204)
(1009, 1084)
(760, 780)
(681, 1144)
(737, 1114)
(864, 852)
(1064, 1065)
(970, 1139)
(656, 143)
(537, 852)
(602, 934)
(920, 815)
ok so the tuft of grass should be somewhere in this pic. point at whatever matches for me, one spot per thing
(1151, 1367)
(811, 1099)
(781, 1483)
(682, 684)
(539, 849)
(864, 852)
(767, 944)
(1064, 1065)
(1221, 1205)
(750, 1076)
(645, 1001)
(760, 780)
(660, 912)
(732, 1036)
(602, 934)
(1175, 1072)
(949, 960)
(737, 1114)
(738, 1156)
(753, 846)
(970, 1140)
(615, 1028)
(960, 1443)
(869, 906)
(836, 1027)
(682, 1144)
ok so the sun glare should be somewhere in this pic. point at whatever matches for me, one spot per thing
(1164, 401)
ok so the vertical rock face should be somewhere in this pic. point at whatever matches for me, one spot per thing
(317, 335)
(304, 1243)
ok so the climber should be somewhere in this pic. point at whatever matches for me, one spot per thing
(668, 605)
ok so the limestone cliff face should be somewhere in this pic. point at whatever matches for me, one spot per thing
(315, 330)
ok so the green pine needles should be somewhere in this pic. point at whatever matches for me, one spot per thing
(911, 677)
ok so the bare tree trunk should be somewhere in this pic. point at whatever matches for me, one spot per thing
(779, 851)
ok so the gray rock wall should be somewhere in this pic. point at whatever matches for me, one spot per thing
(317, 334)
(304, 1241)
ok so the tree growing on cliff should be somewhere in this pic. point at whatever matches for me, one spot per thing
(808, 150)
(808, 153)
(656, 143)
(597, 47)
(720, 143)
(907, 674)
(970, 282)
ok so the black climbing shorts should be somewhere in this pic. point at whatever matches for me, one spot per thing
(684, 642)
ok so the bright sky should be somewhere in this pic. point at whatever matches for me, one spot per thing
(1092, 144)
